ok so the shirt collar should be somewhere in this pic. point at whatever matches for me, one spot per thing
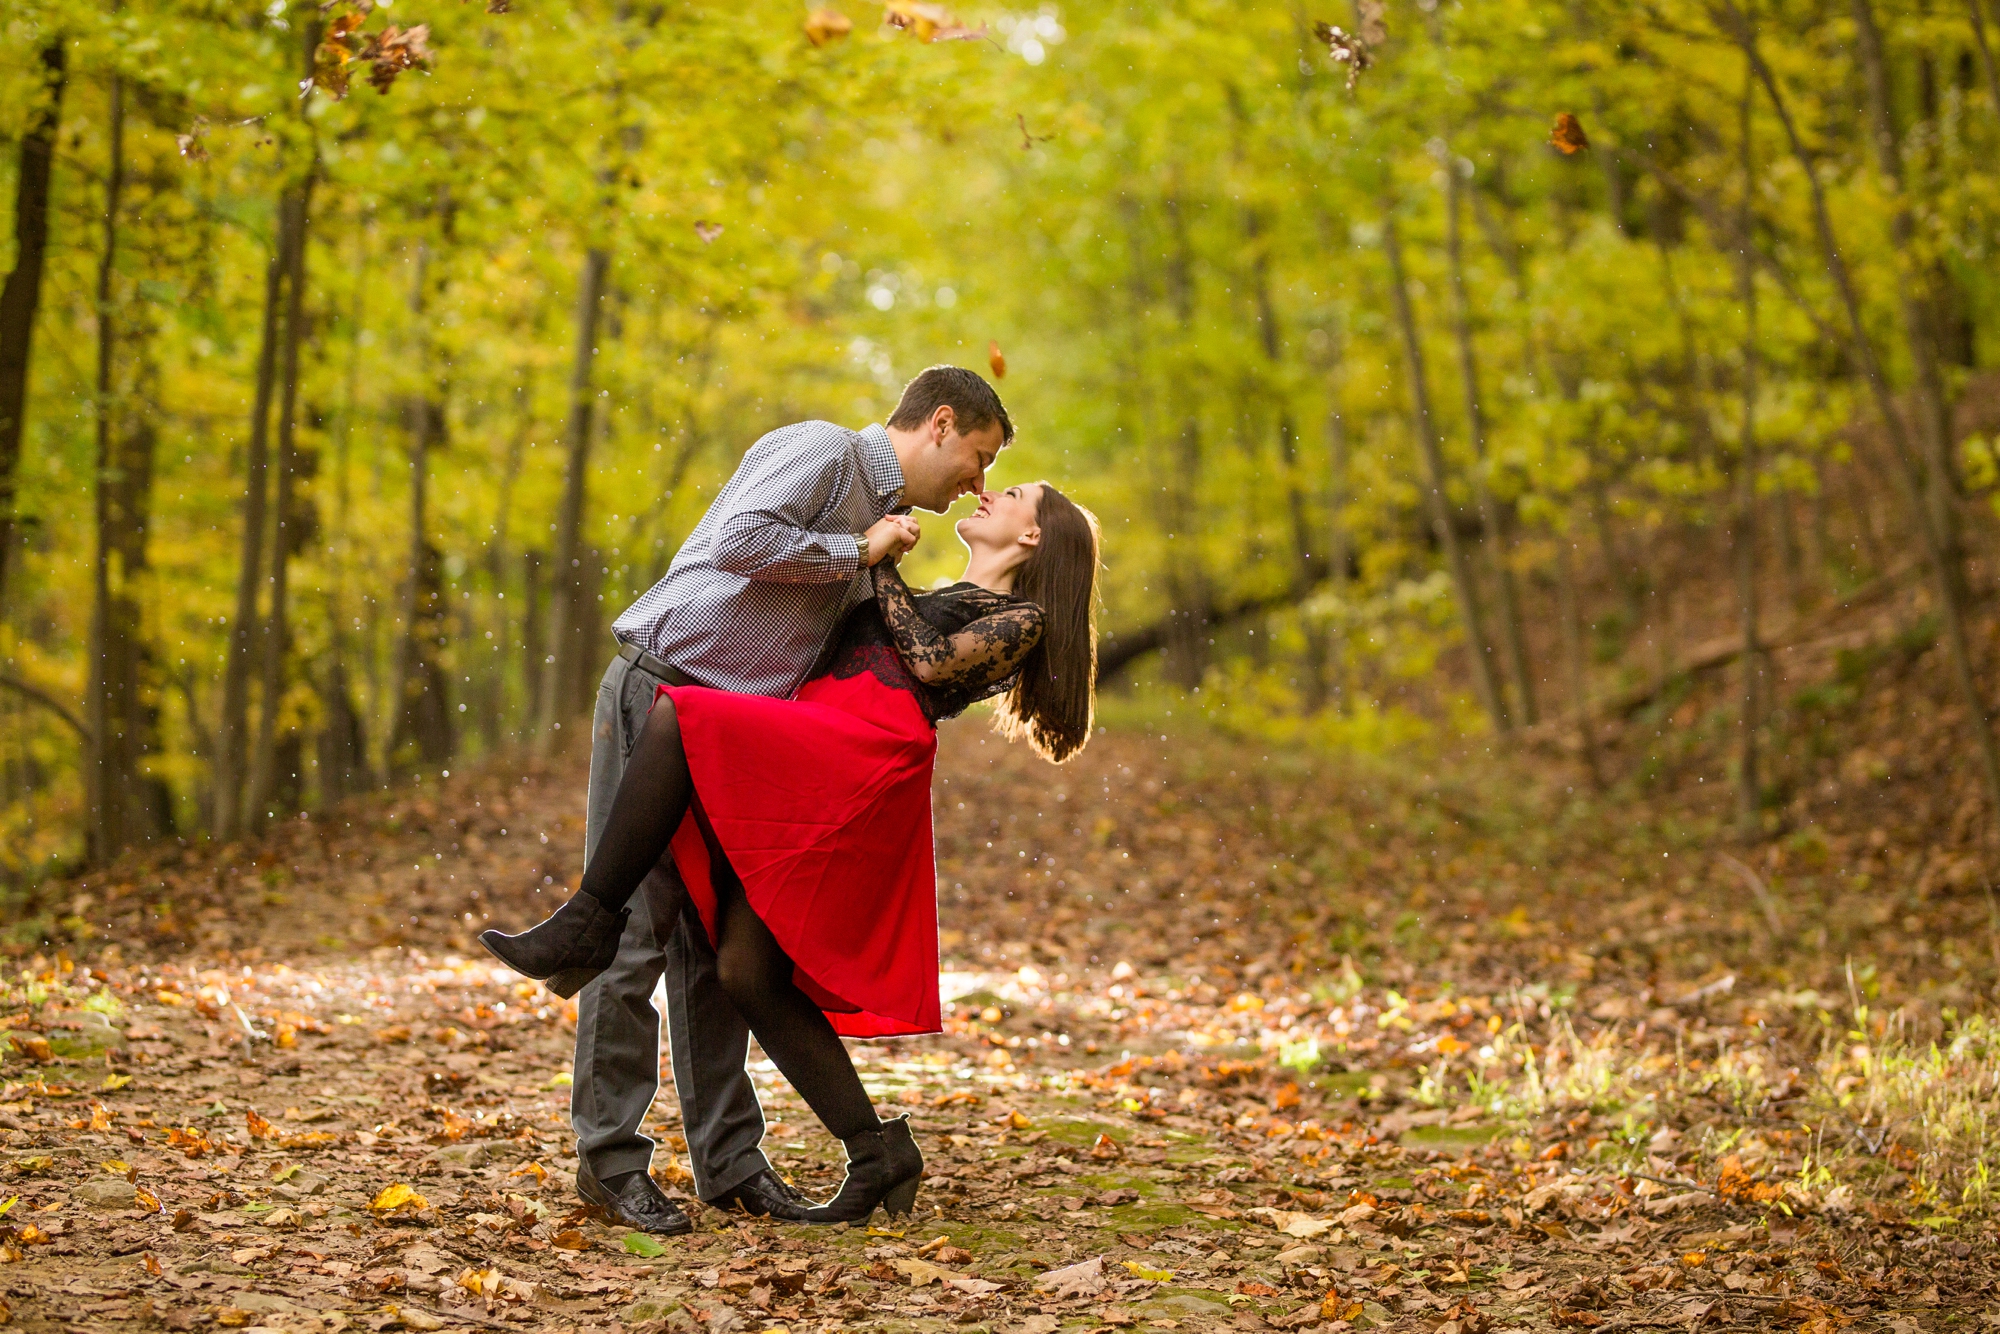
(879, 463)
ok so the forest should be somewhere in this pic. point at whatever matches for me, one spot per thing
(1535, 865)
(1452, 373)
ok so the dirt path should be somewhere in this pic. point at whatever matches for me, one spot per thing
(1238, 1040)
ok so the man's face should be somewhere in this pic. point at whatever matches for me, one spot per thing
(954, 465)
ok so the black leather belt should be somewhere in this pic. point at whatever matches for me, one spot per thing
(655, 666)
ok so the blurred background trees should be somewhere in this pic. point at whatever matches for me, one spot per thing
(1602, 382)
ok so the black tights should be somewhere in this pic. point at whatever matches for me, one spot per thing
(754, 970)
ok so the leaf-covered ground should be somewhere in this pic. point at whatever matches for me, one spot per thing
(1238, 1040)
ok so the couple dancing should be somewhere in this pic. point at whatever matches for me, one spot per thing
(759, 827)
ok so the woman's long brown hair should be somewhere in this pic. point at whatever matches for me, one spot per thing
(1056, 696)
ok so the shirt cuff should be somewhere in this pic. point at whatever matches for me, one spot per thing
(849, 555)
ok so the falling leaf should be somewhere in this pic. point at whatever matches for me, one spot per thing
(394, 51)
(1568, 137)
(570, 1240)
(922, 19)
(145, 1199)
(827, 25)
(1353, 50)
(12, 1200)
(707, 230)
(638, 1243)
(998, 362)
(112, 1083)
(498, 6)
(1374, 25)
(259, 1127)
(190, 147)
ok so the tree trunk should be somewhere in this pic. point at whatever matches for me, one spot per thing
(232, 739)
(534, 623)
(559, 688)
(1304, 563)
(275, 641)
(22, 292)
(1498, 542)
(1574, 658)
(1919, 315)
(343, 739)
(1979, 40)
(423, 733)
(106, 775)
(1947, 586)
(1749, 791)
(1486, 683)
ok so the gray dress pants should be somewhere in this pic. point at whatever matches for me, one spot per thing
(618, 1029)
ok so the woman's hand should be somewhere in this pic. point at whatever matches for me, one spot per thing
(890, 536)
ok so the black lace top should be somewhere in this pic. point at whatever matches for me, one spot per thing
(951, 647)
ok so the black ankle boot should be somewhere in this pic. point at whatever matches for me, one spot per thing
(884, 1167)
(574, 944)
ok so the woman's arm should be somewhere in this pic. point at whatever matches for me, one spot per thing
(990, 649)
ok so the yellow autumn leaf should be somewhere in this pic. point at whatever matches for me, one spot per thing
(1138, 1270)
(398, 1196)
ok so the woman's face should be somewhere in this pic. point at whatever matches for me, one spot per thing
(1003, 517)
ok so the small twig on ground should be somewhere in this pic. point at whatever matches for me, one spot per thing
(1668, 1181)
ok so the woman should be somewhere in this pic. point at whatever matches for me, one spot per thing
(802, 827)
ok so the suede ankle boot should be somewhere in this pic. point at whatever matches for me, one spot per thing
(884, 1166)
(565, 951)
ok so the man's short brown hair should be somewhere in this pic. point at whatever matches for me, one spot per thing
(972, 401)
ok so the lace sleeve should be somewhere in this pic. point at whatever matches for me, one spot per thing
(988, 650)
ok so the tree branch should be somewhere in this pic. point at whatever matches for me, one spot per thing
(47, 701)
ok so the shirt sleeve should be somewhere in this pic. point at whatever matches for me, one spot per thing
(989, 650)
(767, 533)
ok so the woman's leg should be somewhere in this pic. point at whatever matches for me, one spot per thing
(757, 974)
(651, 801)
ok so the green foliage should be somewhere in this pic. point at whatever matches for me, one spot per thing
(1169, 218)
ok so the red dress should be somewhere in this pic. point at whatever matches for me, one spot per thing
(821, 805)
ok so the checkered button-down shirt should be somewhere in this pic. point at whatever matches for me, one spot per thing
(773, 567)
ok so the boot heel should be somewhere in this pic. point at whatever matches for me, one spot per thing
(903, 1198)
(571, 980)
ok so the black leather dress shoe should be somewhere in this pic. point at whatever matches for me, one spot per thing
(633, 1199)
(766, 1195)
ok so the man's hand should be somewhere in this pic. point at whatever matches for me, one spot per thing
(891, 536)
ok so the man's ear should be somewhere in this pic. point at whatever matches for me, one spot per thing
(944, 419)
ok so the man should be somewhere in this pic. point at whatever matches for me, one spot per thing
(748, 604)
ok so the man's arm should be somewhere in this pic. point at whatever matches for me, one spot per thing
(767, 533)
